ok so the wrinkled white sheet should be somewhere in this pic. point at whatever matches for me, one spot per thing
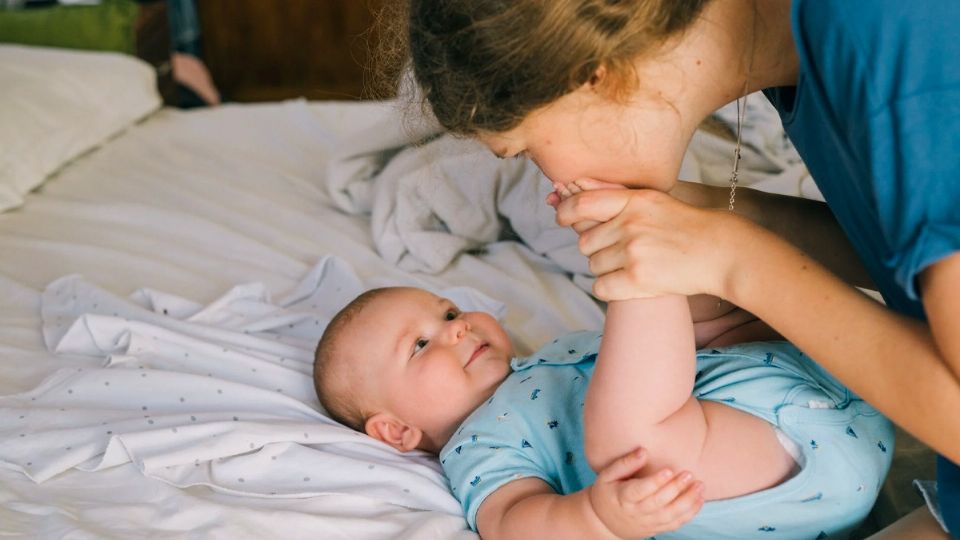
(175, 214)
(218, 395)
(769, 161)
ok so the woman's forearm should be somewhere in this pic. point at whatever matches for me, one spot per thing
(889, 360)
(807, 224)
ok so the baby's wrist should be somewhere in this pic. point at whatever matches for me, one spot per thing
(599, 527)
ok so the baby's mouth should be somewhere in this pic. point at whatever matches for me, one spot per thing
(477, 352)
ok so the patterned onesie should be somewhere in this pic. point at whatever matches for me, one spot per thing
(533, 427)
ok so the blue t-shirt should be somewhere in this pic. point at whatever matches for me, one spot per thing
(876, 117)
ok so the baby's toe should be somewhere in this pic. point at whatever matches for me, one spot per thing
(587, 184)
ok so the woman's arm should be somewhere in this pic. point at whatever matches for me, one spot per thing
(807, 224)
(890, 360)
(940, 288)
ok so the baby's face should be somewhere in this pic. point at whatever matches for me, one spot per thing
(432, 364)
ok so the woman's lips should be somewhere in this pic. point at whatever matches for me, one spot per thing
(476, 353)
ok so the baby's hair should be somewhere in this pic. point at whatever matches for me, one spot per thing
(484, 65)
(335, 388)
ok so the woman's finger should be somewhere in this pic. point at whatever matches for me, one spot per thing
(619, 285)
(609, 259)
(584, 226)
(601, 205)
(602, 236)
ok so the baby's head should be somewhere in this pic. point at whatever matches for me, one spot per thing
(407, 367)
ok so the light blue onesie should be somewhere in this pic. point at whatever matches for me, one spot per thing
(533, 427)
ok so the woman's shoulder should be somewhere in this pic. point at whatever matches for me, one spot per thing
(881, 32)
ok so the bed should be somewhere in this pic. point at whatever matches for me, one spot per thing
(163, 280)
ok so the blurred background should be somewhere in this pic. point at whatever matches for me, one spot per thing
(208, 51)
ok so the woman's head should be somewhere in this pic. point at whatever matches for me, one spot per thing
(486, 65)
(584, 88)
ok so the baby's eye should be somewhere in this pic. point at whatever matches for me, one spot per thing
(420, 344)
(451, 314)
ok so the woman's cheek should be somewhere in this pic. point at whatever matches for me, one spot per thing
(557, 168)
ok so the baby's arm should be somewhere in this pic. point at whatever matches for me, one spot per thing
(640, 392)
(618, 505)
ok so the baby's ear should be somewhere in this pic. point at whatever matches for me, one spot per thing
(389, 429)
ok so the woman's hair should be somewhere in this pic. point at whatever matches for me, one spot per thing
(484, 65)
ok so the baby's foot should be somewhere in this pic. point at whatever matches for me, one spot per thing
(565, 191)
(562, 192)
(588, 184)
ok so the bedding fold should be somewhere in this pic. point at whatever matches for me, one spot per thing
(219, 395)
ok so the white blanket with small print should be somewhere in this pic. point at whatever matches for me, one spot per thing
(219, 395)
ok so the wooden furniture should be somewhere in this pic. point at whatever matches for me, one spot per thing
(265, 50)
(152, 42)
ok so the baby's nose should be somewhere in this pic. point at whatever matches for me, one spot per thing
(459, 328)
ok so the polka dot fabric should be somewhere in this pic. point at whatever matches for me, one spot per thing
(219, 395)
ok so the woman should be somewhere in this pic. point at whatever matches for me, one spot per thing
(613, 90)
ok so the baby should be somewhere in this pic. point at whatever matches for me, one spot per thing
(779, 445)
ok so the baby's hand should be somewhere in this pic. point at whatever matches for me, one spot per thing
(562, 192)
(632, 506)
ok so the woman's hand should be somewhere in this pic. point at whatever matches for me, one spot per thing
(633, 506)
(648, 243)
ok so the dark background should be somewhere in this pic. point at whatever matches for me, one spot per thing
(265, 50)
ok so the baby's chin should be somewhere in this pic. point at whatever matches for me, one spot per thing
(457, 418)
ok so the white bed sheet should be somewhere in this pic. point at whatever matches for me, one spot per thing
(193, 204)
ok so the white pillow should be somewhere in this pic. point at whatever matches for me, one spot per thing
(56, 104)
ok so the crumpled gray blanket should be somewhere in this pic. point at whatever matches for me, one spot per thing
(432, 196)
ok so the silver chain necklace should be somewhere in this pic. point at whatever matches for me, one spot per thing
(735, 173)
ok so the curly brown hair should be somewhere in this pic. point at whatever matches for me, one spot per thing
(484, 65)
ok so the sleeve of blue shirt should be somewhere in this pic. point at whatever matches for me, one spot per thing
(478, 467)
(876, 118)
